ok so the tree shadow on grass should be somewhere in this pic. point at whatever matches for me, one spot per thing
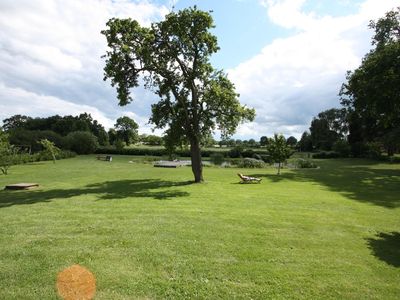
(108, 190)
(363, 183)
(386, 247)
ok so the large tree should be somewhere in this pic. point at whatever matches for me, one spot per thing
(172, 56)
(127, 130)
(372, 93)
(328, 127)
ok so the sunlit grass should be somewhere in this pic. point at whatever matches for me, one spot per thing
(149, 232)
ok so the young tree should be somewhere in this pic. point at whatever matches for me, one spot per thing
(7, 153)
(279, 150)
(173, 58)
(50, 148)
(127, 130)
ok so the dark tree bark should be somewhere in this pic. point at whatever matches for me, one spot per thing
(197, 166)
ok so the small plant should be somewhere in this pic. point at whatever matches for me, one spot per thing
(302, 163)
(251, 163)
(50, 149)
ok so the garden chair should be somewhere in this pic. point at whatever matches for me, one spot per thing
(248, 179)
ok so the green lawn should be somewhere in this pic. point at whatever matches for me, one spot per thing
(148, 233)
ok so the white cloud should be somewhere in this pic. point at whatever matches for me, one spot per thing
(294, 78)
(36, 105)
(50, 61)
(51, 50)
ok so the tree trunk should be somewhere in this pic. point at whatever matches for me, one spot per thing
(279, 168)
(197, 167)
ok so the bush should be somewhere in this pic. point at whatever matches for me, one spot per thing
(236, 152)
(119, 144)
(267, 159)
(251, 163)
(326, 154)
(217, 158)
(302, 163)
(163, 152)
(342, 147)
(374, 150)
(82, 142)
(32, 138)
(248, 153)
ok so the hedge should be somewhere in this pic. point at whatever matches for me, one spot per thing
(163, 152)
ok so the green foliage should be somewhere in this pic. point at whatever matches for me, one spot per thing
(82, 142)
(305, 143)
(127, 130)
(15, 122)
(342, 147)
(328, 127)
(50, 148)
(251, 163)
(326, 154)
(236, 152)
(182, 152)
(291, 141)
(54, 125)
(173, 58)
(302, 163)
(151, 140)
(120, 144)
(217, 158)
(32, 138)
(7, 153)
(263, 141)
(278, 150)
(371, 92)
(387, 29)
(374, 150)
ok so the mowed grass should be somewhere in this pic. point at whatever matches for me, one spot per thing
(148, 233)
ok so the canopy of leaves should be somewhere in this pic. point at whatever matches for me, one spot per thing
(278, 149)
(50, 148)
(328, 127)
(127, 130)
(173, 58)
(372, 93)
(61, 125)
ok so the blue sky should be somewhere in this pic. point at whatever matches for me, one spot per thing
(287, 58)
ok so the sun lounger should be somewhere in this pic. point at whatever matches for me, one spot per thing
(248, 179)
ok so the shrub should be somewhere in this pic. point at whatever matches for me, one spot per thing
(248, 153)
(119, 144)
(32, 138)
(236, 152)
(374, 150)
(251, 163)
(302, 163)
(326, 154)
(82, 142)
(342, 147)
(217, 158)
